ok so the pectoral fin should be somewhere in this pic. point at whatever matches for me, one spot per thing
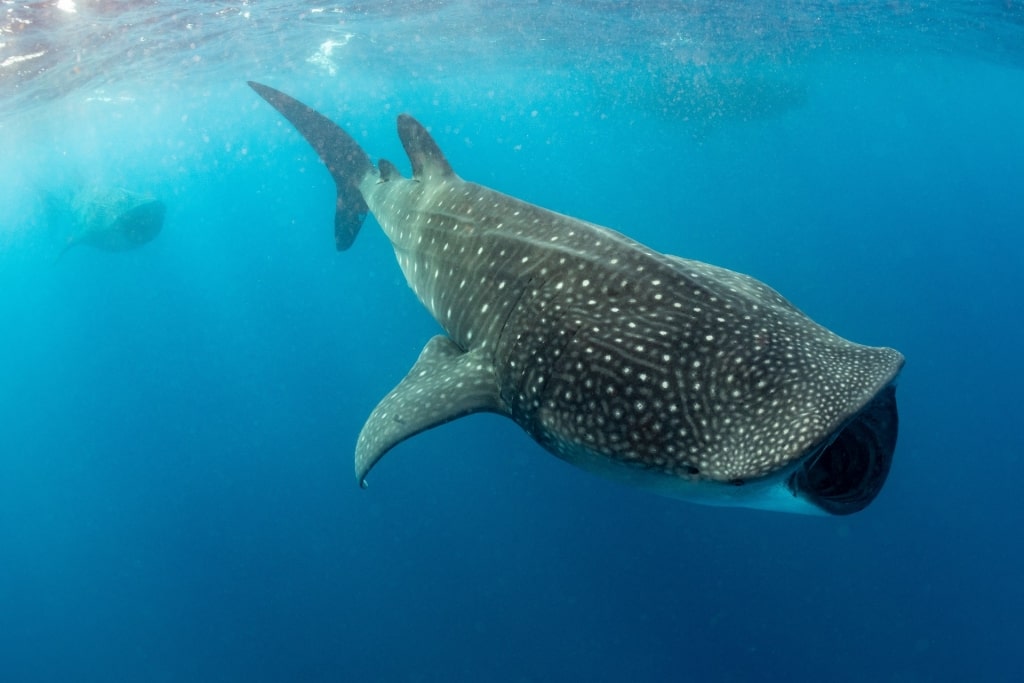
(444, 384)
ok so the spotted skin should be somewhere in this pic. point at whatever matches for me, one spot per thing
(664, 372)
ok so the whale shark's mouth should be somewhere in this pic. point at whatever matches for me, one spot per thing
(848, 472)
(142, 223)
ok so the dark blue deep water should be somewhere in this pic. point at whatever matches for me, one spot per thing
(177, 422)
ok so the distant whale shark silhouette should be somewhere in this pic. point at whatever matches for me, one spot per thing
(112, 218)
(679, 376)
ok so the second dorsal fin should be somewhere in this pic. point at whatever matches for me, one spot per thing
(387, 170)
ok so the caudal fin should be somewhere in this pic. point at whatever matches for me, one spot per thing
(342, 155)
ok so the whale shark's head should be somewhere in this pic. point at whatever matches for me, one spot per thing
(717, 390)
(802, 417)
(816, 440)
(141, 223)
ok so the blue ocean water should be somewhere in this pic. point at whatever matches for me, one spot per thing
(178, 421)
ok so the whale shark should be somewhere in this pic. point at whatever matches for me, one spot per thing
(109, 218)
(662, 372)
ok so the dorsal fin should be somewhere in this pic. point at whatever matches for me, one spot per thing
(388, 170)
(425, 155)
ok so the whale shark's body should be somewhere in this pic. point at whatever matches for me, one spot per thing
(111, 218)
(672, 374)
